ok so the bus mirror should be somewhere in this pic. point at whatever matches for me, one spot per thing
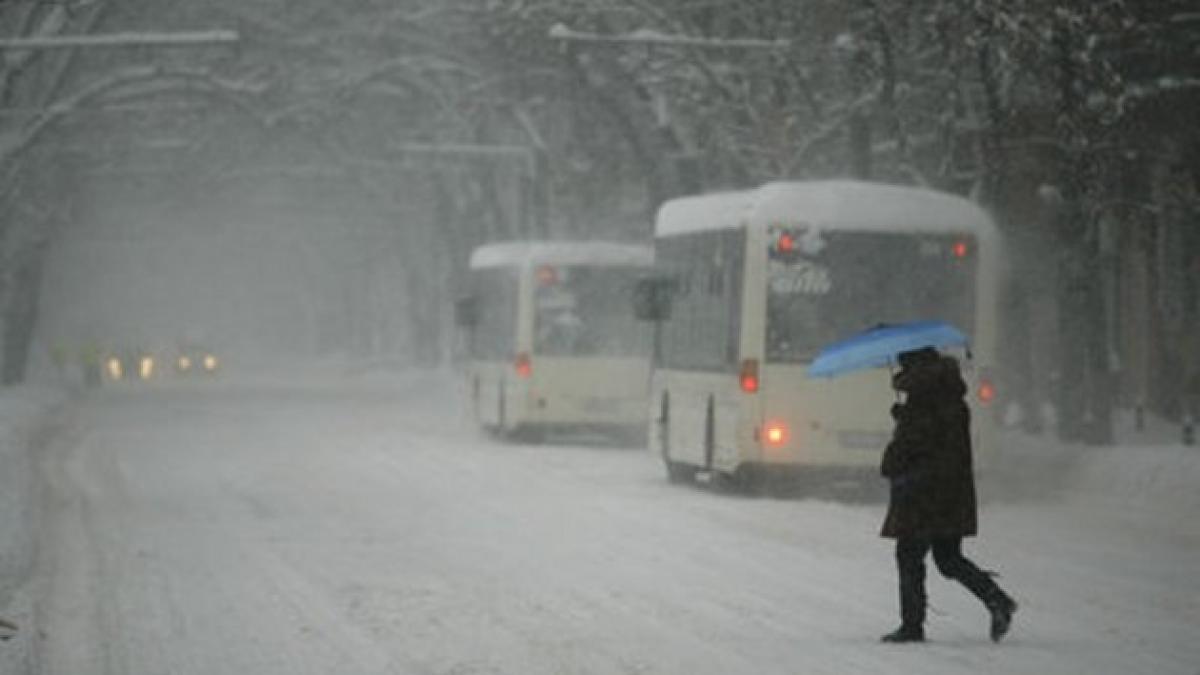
(652, 299)
(466, 311)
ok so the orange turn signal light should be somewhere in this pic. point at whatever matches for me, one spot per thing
(775, 433)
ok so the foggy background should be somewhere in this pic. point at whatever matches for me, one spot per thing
(312, 188)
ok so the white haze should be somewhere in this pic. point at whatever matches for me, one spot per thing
(264, 275)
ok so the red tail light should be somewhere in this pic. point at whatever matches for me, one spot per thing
(523, 365)
(960, 249)
(987, 391)
(748, 376)
(786, 243)
(547, 276)
(775, 433)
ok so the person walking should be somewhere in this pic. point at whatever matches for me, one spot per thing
(932, 503)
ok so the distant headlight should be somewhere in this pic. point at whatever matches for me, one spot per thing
(184, 363)
(210, 363)
(146, 367)
(115, 371)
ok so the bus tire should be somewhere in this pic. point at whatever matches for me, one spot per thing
(678, 472)
(529, 435)
(746, 479)
(500, 411)
(662, 426)
(475, 407)
(710, 434)
(753, 479)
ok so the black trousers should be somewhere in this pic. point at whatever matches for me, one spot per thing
(947, 555)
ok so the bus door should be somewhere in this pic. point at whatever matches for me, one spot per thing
(493, 342)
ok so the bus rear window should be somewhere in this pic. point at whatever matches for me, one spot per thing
(585, 311)
(860, 279)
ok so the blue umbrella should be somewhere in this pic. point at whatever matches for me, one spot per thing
(880, 346)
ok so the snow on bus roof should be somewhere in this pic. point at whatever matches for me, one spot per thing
(528, 253)
(840, 204)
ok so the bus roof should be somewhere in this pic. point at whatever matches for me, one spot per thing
(832, 204)
(529, 253)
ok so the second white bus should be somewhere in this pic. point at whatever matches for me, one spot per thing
(553, 345)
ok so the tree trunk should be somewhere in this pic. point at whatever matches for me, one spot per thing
(20, 315)
(1084, 396)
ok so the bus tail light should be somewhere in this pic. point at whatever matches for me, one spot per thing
(547, 276)
(775, 434)
(523, 365)
(786, 243)
(748, 376)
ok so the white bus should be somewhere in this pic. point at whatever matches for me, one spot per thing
(760, 280)
(552, 342)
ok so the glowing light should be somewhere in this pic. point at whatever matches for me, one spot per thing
(115, 371)
(960, 249)
(523, 366)
(184, 363)
(749, 384)
(748, 377)
(146, 367)
(987, 392)
(547, 276)
(210, 362)
(786, 243)
(776, 434)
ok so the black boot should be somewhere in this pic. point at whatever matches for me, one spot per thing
(905, 633)
(1002, 609)
(910, 562)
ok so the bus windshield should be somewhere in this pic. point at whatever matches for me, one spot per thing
(859, 279)
(585, 311)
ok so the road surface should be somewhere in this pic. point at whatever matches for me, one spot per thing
(282, 529)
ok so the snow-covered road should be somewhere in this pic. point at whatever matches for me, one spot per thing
(263, 529)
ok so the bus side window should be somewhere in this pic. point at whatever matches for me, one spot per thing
(652, 298)
(703, 329)
(494, 336)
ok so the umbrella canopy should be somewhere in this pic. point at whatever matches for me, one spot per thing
(880, 346)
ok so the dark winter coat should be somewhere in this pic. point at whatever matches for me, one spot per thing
(928, 461)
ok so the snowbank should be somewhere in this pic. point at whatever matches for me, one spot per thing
(1144, 479)
(24, 416)
(1149, 485)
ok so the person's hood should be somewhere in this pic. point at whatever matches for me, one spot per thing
(936, 377)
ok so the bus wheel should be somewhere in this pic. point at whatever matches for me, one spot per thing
(747, 479)
(678, 472)
(528, 434)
